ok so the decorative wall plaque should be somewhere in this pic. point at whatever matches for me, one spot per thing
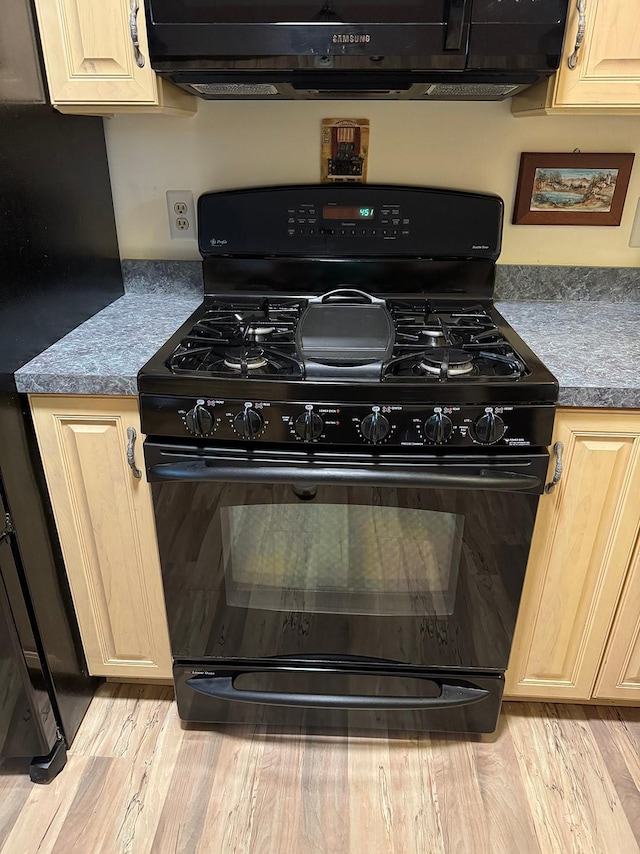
(345, 149)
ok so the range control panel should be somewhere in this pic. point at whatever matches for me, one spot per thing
(347, 424)
(386, 221)
(343, 220)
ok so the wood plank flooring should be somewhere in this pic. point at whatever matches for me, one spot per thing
(555, 780)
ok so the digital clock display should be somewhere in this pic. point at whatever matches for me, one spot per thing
(346, 212)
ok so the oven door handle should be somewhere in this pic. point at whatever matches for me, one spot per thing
(451, 695)
(241, 471)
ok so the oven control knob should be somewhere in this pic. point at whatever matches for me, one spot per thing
(489, 428)
(308, 426)
(375, 427)
(200, 420)
(438, 428)
(248, 423)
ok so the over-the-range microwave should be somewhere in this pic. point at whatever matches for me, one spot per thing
(341, 49)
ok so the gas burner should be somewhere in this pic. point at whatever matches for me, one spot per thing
(236, 331)
(260, 333)
(242, 324)
(427, 323)
(444, 362)
(251, 338)
(469, 363)
(430, 336)
(433, 335)
(241, 360)
(216, 360)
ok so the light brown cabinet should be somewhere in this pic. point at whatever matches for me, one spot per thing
(93, 65)
(619, 677)
(106, 526)
(605, 77)
(578, 630)
(576, 627)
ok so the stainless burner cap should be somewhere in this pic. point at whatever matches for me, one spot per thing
(458, 362)
(252, 359)
(258, 332)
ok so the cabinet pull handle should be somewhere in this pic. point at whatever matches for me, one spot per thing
(9, 529)
(133, 29)
(581, 6)
(131, 459)
(558, 448)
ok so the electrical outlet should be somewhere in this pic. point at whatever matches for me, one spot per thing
(182, 214)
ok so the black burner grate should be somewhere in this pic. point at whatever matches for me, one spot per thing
(242, 339)
(444, 342)
(434, 342)
(479, 367)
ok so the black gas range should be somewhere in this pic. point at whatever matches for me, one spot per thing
(346, 444)
(410, 349)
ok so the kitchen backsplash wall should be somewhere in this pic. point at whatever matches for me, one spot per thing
(513, 281)
(458, 145)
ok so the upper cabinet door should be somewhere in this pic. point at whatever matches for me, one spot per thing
(20, 79)
(90, 55)
(600, 66)
(607, 70)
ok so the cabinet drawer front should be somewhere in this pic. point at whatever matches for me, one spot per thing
(105, 523)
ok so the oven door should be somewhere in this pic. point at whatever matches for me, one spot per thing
(295, 579)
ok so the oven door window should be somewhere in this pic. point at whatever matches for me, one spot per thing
(341, 558)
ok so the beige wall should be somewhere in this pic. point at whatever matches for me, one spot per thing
(464, 145)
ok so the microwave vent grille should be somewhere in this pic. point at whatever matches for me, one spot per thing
(470, 91)
(235, 89)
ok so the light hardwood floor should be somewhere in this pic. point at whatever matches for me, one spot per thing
(562, 779)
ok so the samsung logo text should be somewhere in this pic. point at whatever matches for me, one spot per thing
(351, 38)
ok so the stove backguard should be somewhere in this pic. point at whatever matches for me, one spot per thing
(451, 278)
(309, 239)
(342, 221)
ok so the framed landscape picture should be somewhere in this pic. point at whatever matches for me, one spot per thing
(571, 189)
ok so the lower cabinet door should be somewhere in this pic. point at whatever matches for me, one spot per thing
(619, 677)
(582, 546)
(106, 527)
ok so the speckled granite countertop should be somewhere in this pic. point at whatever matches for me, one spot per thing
(104, 354)
(593, 348)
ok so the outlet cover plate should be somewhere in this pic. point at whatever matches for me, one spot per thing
(181, 210)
